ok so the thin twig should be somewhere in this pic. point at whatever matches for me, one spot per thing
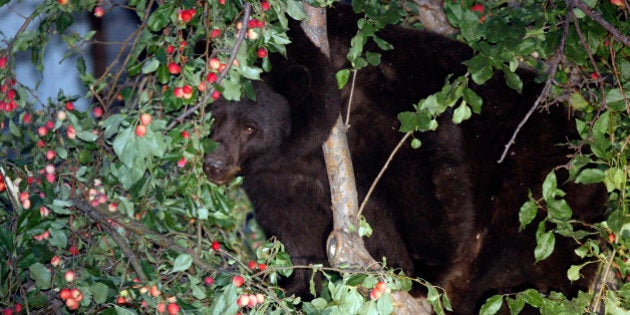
(354, 79)
(380, 174)
(223, 74)
(543, 94)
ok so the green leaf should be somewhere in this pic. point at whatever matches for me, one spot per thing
(492, 305)
(473, 99)
(590, 176)
(513, 80)
(124, 311)
(160, 18)
(99, 292)
(545, 242)
(384, 304)
(295, 10)
(41, 275)
(573, 273)
(461, 113)
(532, 297)
(150, 65)
(342, 77)
(527, 213)
(182, 262)
(550, 187)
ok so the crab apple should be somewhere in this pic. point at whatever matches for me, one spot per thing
(222, 2)
(174, 68)
(380, 286)
(27, 119)
(182, 162)
(161, 307)
(121, 300)
(7, 311)
(216, 246)
(186, 15)
(215, 63)
(222, 67)
(212, 77)
(24, 196)
(252, 264)
(42, 131)
(112, 207)
(50, 177)
(61, 115)
(185, 134)
(76, 294)
(44, 212)
(154, 291)
(215, 95)
(238, 280)
(618, 3)
(253, 23)
(3, 62)
(173, 308)
(72, 304)
(187, 90)
(183, 46)
(208, 281)
(69, 106)
(55, 261)
(242, 300)
(97, 112)
(64, 294)
(3, 185)
(71, 133)
(40, 143)
(63, 2)
(262, 52)
(99, 11)
(215, 33)
(145, 119)
(262, 267)
(594, 76)
(260, 298)
(141, 130)
(50, 169)
(73, 250)
(178, 92)
(375, 294)
(251, 34)
(477, 8)
(265, 5)
(17, 307)
(69, 276)
(252, 300)
(11, 94)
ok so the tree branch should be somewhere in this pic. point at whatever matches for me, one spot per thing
(559, 54)
(595, 16)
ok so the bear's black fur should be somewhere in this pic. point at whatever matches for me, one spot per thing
(446, 212)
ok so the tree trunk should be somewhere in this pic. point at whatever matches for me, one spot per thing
(345, 246)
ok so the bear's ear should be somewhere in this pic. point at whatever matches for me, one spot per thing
(293, 82)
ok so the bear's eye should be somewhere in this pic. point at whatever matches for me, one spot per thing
(249, 130)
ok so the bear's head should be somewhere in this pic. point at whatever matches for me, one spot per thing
(287, 120)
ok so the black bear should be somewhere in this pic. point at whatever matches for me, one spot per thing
(446, 212)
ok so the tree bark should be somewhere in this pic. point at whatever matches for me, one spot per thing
(345, 246)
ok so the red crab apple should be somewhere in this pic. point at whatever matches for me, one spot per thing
(265, 5)
(72, 304)
(238, 281)
(64, 294)
(76, 294)
(154, 291)
(145, 119)
(69, 106)
(262, 52)
(215, 95)
(141, 130)
(97, 112)
(215, 33)
(216, 246)
(63, 2)
(161, 307)
(174, 68)
(99, 11)
(173, 308)
(3, 62)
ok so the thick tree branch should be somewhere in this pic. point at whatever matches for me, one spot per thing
(595, 16)
(345, 246)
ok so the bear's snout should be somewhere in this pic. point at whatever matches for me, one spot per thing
(218, 170)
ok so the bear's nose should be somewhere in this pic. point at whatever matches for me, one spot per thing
(213, 168)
